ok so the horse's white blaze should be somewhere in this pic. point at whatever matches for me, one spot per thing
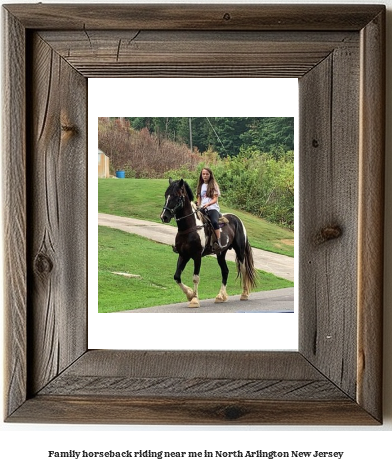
(167, 200)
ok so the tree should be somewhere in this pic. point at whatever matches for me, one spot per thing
(271, 134)
(226, 135)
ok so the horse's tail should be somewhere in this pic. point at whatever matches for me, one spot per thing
(244, 258)
(245, 269)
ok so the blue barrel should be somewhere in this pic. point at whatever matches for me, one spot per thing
(120, 174)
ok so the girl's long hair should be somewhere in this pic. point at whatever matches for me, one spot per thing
(212, 186)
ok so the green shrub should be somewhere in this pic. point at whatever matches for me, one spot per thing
(261, 184)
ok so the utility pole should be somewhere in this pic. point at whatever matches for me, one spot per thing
(190, 133)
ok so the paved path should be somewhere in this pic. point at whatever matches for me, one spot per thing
(274, 301)
(279, 265)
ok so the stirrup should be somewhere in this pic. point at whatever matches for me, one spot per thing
(217, 245)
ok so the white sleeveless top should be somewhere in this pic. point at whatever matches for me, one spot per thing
(205, 199)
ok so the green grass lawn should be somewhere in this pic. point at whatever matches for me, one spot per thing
(144, 199)
(152, 266)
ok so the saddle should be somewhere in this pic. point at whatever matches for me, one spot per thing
(209, 230)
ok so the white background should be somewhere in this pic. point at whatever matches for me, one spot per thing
(181, 98)
(367, 449)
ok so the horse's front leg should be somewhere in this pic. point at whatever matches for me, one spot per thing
(221, 297)
(181, 264)
(195, 303)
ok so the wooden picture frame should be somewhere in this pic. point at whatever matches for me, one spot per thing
(337, 52)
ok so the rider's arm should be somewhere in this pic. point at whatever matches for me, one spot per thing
(213, 201)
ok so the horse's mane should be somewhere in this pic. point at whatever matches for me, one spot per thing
(178, 184)
(188, 191)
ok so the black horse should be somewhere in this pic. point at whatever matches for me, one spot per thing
(195, 239)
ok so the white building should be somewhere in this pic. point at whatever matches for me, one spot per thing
(103, 165)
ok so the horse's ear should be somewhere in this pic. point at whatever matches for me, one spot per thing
(181, 183)
(170, 181)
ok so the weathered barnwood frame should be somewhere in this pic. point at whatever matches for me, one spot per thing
(337, 53)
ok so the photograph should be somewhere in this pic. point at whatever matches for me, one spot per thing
(172, 190)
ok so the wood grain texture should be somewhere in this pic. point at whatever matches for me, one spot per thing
(201, 387)
(193, 53)
(206, 374)
(14, 209)
(208, 364)
(155, 411)
(335, 378)
(371, 216)
(57, 208)
(192, 387)
(329, 97)
(195, 17)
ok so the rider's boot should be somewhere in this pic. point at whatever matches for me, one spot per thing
(217, 244)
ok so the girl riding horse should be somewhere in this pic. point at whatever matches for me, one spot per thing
(191, 243)
(207, 200)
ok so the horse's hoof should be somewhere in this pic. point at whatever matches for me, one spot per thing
(244, 297)
(220, 299)
(194, 303)
(190, 294)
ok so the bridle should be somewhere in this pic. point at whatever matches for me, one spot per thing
(173, 211)
(176, 208)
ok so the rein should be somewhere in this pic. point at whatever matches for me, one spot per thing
(183, 217)
(191, 229)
